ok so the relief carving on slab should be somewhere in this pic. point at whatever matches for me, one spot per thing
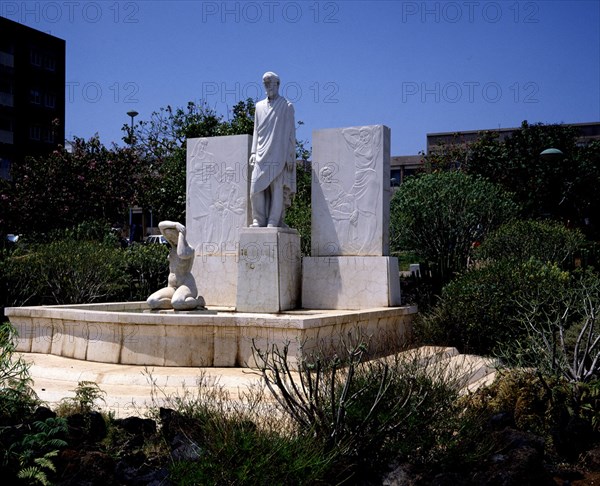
(355, 211)
(214, 193)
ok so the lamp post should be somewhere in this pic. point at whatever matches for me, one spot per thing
(132, 114)
(551, 154)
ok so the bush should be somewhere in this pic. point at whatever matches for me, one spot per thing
(64, 272)
(561, 334)
(370, 413)
(17, 398)
(148, 269)
(241, 441)
(546, 406)
(478, 311)
(441, 216)
(519, 241)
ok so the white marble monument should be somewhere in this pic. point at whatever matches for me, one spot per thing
(218, 184)
(349, 267)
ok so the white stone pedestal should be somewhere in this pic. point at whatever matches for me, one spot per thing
(268, 270)
(352, 282)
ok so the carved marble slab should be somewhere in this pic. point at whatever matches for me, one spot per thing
(351, 191)
(217, 192)
(218, 188)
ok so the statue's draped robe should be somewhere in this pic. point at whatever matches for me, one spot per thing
(274, 143)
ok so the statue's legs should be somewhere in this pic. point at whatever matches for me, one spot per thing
(259, 208)
(267, 205)
(276, 206)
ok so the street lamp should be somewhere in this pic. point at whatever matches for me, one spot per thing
(132, 114)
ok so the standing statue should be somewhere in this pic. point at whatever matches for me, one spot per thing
(273, 156)
(181, 292)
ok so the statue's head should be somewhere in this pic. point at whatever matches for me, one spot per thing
(271, 82)
(172, 236)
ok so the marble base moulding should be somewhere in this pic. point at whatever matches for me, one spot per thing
(129, 334)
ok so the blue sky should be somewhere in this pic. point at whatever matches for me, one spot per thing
(417, 67)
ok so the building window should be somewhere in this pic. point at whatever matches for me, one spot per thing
(35, 132)
(5, 169)
(50, 63)
(7, 59)
(50, 100)
(49, 135)
(7, 46)
(6, 90)
(35, 97)
(35, 58)
(6, 131)
(6, 124)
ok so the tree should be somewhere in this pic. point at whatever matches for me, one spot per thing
(66, 188)
(543, 185)
(560, 187)
(441, 216)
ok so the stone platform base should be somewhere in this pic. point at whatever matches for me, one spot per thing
(128, 333)
(350, 282)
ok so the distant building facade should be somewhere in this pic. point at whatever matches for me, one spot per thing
(405, 165)
(32, 93)
(588, 132)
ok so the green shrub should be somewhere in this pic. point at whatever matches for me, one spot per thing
(545, 405)
(64, 272)
(87, 394)
(440, 216)
(17, 398)
(241, 441)
(371, 412)
(478, 311)
(147, 268)
(30, 458)
(519, 241)
(561, 334)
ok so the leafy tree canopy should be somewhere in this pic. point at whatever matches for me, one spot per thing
(556, 187)
(88, 182)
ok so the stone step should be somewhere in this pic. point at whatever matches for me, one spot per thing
(131, 390)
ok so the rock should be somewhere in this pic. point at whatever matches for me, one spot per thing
(591, 460)
(575, 437)
(399, 476)
(137, 426)
(43, 413)
(85, 468)
(184, 449)
(89, 427)
(518, 461)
